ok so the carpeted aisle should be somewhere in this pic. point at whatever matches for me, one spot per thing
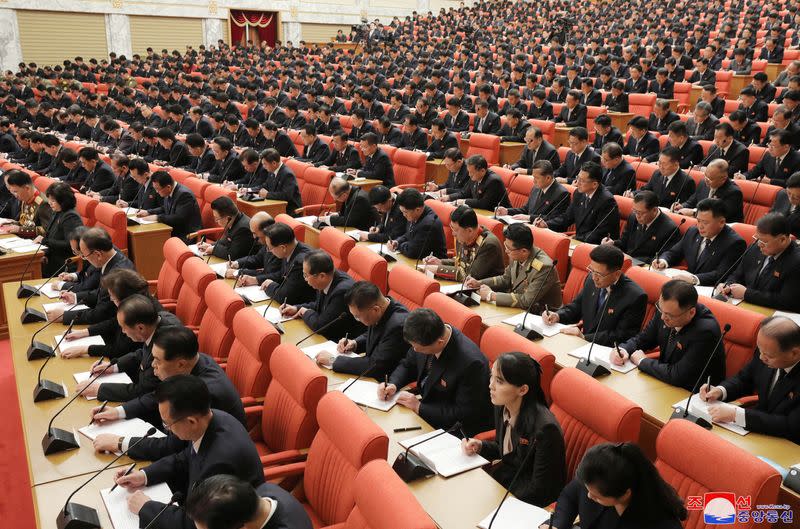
(16, 501)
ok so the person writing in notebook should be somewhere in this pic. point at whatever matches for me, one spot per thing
(524, 424)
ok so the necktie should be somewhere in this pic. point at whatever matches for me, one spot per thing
(167, 204)
(601, 298)
(480, 124)
(765, 270)
(703, 246)
(780, 375)
(426, 372)
(711, 192)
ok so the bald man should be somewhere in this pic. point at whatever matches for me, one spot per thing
(354, 206)
(255, 268)
(716, 184)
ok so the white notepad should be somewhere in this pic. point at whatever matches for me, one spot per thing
(28, 248)
(601, 355)
(50, 307)
(516, 514)
(365, 393)
(49, 291)
(117, 504)
(308, 220)
(113, 378)
(219, 268)
(698, 408)
(273, 315)
(8, 243)
(534, 323)
(795, 317)
(80, 342)
(253, 293)
(128, 428)
(355, 234)
(379, 248)
(313, 350)
(508, 219)
(195, 250)
(443, 454)
(452, 289)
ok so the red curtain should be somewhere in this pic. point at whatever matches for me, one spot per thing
(261, 26)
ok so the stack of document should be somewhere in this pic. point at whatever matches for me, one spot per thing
(382, 249)
(601, 356)
(253, 293)
(365, 393)
(443, 454)
(50, 307)
(516, 514)
(699, 408)
(112, 378)
(534, 323)
(117, 504)
(219, 268)
(508, 219)
(80, 342)
(313, 350)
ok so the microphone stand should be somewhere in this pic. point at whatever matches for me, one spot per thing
(32, 315)
(318, 331)
(508, 189)
(721, 296)
(57, 440)
(26, 291)
(47, 389)
(530, 334)
(586, 239)
(671, 235)
(130, 221)
(176, 498)
(680, 413)
(511, 485)
(367, 370)
(587, 366)
(410, 467)
(552, 208)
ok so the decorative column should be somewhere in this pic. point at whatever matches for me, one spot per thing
(212, 31)
(291, 27)
(118, 34)
(423, 6)
(10, 49)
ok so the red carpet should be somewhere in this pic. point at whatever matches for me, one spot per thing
(16, 501)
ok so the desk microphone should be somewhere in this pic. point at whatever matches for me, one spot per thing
(39, 350)
(57, 440)
(409, 467)
(26, 291)
(176, 499)
(752, 200)
(32, 315)
(461, 296)
(721, 296)
(671, 235)
(283, 280)
(128, 209)
(47, 389)
(77, 516)
(422, 248)
(224, 229)
(553, 207)
(347, 219)
(359, 377)
(680, 189)
(610, 211)
(684, 413)
(337, 318)
(587, 366)
(530, 334)
(511, 485)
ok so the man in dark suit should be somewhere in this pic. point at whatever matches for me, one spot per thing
(179, 207)
(606, 289)
(176, 153)
(315, 151)
(670, 183)
(787, 203)
(100, 175)
(456, 120)
(486, 122)
(536, 149)
(278, 140)
(700, 126)
(214, 443)
(424, 234)
(442, 139)
(391, 223)
(573, 113)
(661, 117)
(702, 74)
(203, 159)
(727, 148)
(771, 52)
(97, 248)
(452, 375)
(636, 83)
(360, 124)
(377, 164)
(593, 210)
(226, 497)
(709, 95)
(487, 190)
(228, 167)
(662, 85)
(772, 374)
(356, 210)
(778, 163)
(414, 138)
(388, 133)
(397, 111)
(769, 274)
(290, 287)
(618, 174)
(281, 182)
(744, 131)
(235, 241)
(540, 108)
(580, 152)
(710, 248)
(716, 184)
(641, 143)
(547, 200)
(457, 183)
(689, 150)
(605, 132)
(617, 99)
(754, 108)
(328, 312)
(589, 96)
(515, 127)
(648, 229)
(382, 342)
(343, 155)
(686, 334)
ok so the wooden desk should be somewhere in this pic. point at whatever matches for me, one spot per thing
(694, 95)
(273, 207)
(35, 416)
(49, 498)
(146, 247)
(737, 83)
(561, 135)
(673, 105)
(773, 70)
(435, 171)
(366, 184)
(510, 152)
(620, 120)
(11, 267)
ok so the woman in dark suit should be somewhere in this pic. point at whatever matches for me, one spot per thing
(529, 440)
(81, 276)
(617, 487)
(65, 219)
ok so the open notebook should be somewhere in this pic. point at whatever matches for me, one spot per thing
(113, 378)
(50, 307)
(117, 504)
(80, 342)
(381, 249)
(698, 408)
(516, 514)
(534, 323)
(443, 454)
(365, 393)
(127, 428)
(313, 350)
(219, 268)
(601, 355)
(253, 293)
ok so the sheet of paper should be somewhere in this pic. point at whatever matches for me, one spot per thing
(516, 514)
(142, 220)
(353, 233)
(253, 293)
(452, 289)
(601, 355)
(196, 250)
(308, 220)
(80, 342)
(132, 212)
(443, 453)
(535, 323)
(50, 307)
(12, 242)
(700, 409)
(313, 350)
(113, 378)
(381, 248)
(49, 291)
(508, 219)
(219, 268)
(128, 428)
(705, 291)
(117, 504)
(273, 315)
(795, 317)
(28, 248)
(365, 393)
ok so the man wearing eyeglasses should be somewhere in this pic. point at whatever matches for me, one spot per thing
(685, 333)
(788, 203)
(607, 294)
(769, 274)
(716, 184)
(458, 180)
(356, 210)
(647, 229)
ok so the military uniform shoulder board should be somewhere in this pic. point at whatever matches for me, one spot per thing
(38, 200)
(537, 264)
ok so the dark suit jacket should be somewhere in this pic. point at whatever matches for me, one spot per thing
(613, 136)
(416, 140)
(572, 164)
(147, 198)
(294, 288)
(654, 124)
(339, 162)
(491, 124)
(316, 153)
(777, 176)
(736, 155)
(625, 308)
(261, 265)
(423, 237)
(326, 308)
(617, 103)
(382, 344)
(681, 359)
(717, 258)
(777, 412)
(457, 183)
(488, 193)
(702, 131)
(283, 186)
(729, 193)
(783, 206)
(393, 137)
(456, 387)
(236, 240)
(391, 225)
(574, 118)
(665, 90)
(181, 211)
(514, 134)
(100, 305)
(437, 148)
(643, 244)
(356, 211)
(397, 115)
(379, 167)
(229, 169)
(544, 113)
(458, 124)
(620, 179)
(680, 188)
(642, 148)
(57, 240)
(594, 219)
(283, 144)
(777, 285)
(546, 205)
(101, 178)
(593, 99)
(545, 152)
(290, 513)
(536, 429)
(638, 86)
(226, 448)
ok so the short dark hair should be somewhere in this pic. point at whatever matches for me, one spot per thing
(465, 217)
(362, 295)
(319, 262)
(19, 178)
(177, 342)
(222, 502)
(225, 206)
(793, 181)
(411, 199)
(88, 153)
(714, 205)
(649, 198)
(593, 170)
(454, 153)
(608, 255)
(280, 234)
(138, 309)
(774, 224)
(379, 194)
(520, 236)
(63, 194)
(162, 178)
(787, 335)
(124, 283)
(478, 162)
(680, 291)
(187, 395)
(423, 326)
(139, 165)
(579, 132)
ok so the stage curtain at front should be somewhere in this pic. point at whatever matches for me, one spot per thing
(261, 25)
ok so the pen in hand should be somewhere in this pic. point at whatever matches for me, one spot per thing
(128, 471)
(616, 348)
(102, 407)
(385, 385)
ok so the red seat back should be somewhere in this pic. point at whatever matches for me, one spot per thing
(337, 245)
(254, 340)
(498, 339)
(366, 265)
(451, 311)
(409, 167)
(410, 287)
(216, 327)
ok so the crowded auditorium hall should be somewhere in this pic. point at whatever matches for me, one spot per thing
(400, 265)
